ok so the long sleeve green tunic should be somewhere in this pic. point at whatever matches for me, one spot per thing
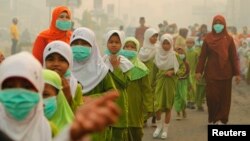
(202, 81)
(192, 59)
(152, 75)
(180, 99)
(105, 85)
(140, 100)
(121, 81)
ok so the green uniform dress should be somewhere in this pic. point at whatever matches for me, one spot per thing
(139, 92)
(192, 59)
(105, 85)
(120, 129)
(166, 87)
(200, 87)
(180, 100)
(152, 73)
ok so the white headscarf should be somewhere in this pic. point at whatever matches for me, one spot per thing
(63, 49)
(125, 64)
(166, 60)
(93, 70)
(35, 126)
(147, 51)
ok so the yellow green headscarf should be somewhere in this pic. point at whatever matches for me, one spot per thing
(63, 115)
(140, 69)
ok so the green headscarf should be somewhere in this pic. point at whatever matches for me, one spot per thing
(140, 69)
(63, 115)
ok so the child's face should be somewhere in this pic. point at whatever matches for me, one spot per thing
(153, 39)
(57, 63)
(190, 43)
(18, 82)
(49, 91)
(114, 44)
(166, 45)
(130, 46)
(81, 42)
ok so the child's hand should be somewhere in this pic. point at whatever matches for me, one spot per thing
(114, 60)
(169, 73)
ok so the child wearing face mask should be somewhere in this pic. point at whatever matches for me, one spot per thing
(192, 59)
(243, 57)
(91, 71)
(21, 108)
(58, 57)
(200, 84)
(180, 99)
(139, 90)
(146, 55)
(119, 67)
(60, 29)
(56, 107)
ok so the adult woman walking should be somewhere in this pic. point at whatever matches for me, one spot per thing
(219, 61)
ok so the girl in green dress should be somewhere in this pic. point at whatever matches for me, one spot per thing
(167, 64)
(119, 67)
(91, 71)
(180, 100)
(146, 55)
(140, 97)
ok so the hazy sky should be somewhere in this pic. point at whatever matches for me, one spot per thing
(183, 12)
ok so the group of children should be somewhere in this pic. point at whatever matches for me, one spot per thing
(71, 73)
(244, 57)
(150, 79)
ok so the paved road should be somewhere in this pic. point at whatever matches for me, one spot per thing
(194, 128)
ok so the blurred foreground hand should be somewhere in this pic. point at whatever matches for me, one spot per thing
(95, 115)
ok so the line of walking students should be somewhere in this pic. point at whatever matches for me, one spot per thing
(84, 95)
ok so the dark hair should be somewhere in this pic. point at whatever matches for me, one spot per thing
(142, 18)
(14, 20)
(203, 26)
(121, 27)
(183, 32)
